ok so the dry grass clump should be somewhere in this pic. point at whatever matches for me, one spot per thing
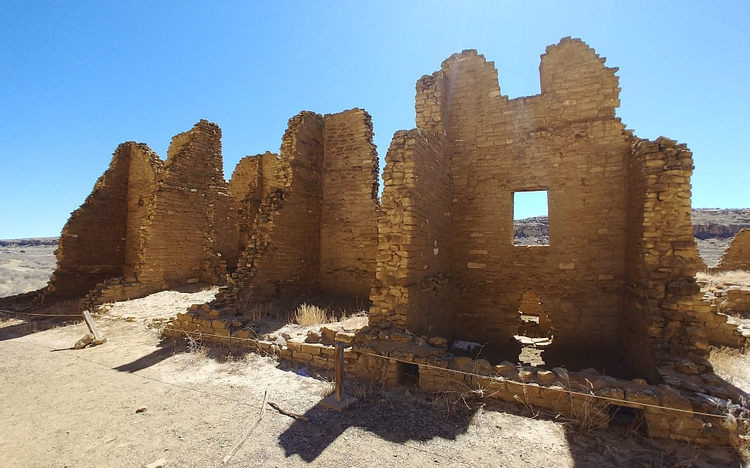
(736, 277)
(731, 364)
(308, 314)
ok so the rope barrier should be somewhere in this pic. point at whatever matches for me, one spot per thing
(3, 311)
(502, 379)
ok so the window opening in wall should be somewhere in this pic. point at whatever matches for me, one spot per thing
(530, 218)
(535, 331)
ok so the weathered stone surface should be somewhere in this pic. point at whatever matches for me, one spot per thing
(150, 224)
(86, 340)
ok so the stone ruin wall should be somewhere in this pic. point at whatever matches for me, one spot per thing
(283, 256)
(565, 141)
(149, 225)
(412, 288)
(348, 224)
(661, 328)
(315, 229)
(737, 255)
(446, 264)
(92, 246)
(144, 173)
(248, 188)
(619, 208)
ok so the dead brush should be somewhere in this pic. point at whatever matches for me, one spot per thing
(739, 433)
(586, 415)
(327, 388)
(251, 310)
(459, 397)
(308, 314)
(197, 351)
(370, 392)
(731, 364)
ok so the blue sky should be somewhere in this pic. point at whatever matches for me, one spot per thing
(77, 78)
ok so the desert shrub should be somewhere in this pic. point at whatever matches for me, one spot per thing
(308, 314)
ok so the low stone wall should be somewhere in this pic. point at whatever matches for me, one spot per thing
(721, 311)
(699, 409)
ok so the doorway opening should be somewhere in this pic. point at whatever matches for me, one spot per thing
(535, 330)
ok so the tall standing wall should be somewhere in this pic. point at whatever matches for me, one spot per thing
(412, 288)
(348, 228)
(283, 255)
(192, 214)
(92, 243)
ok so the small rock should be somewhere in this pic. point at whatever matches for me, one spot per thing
(397, 336)
(98, 342)
(438, 342)
(327, 335)
(87, 339)
(407, 393)
(157, 464)
(142, 409)
(545, 376)
(313, 337)
(504, 367)
(192, 280)
(639, 383)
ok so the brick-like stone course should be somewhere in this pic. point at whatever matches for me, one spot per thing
(316, 226)
(149, 225)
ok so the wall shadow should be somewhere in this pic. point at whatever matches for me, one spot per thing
(154, 357)
(394, 420)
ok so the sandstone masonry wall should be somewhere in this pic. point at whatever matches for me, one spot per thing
(247, 188)
(660, 326)
(283, 256)
(191, 207)
(348, 228)
(316, 226)
(145, 172)
(412, 288)
(626, 284)
(149, 224)
(737, 255)
(92, 243)
(565, 141)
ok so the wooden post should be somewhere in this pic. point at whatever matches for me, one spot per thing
(98, 338)
(338, 400)
(338, 363)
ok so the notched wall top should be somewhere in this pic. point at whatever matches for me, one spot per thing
(618, 217)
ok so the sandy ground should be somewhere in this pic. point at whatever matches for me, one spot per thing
(25, 268)
(61, 407)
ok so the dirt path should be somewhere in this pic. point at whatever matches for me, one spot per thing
(60, 407)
